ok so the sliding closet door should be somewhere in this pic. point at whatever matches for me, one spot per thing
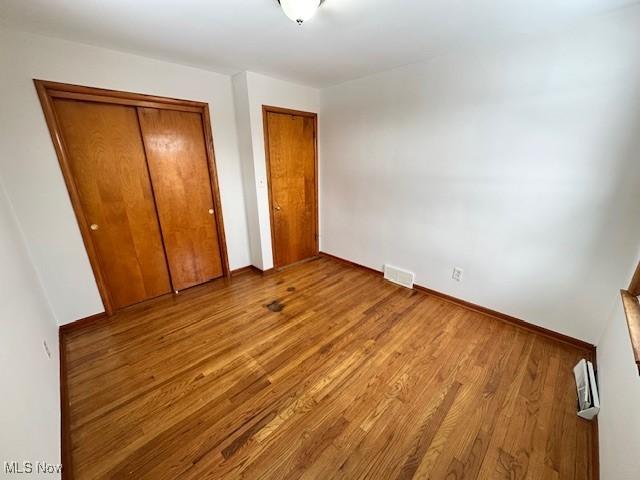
(176, 154)
(107, 162)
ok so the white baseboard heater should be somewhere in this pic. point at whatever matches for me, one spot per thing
(587, 387)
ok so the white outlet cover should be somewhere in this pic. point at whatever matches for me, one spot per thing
(457, 274)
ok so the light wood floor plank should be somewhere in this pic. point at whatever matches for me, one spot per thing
(354, 378)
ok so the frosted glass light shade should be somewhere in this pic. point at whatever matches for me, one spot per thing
(299, 10)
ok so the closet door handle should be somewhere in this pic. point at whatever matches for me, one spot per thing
(94, 226)
(211, 211)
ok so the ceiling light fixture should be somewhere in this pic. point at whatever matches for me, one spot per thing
(299, 10)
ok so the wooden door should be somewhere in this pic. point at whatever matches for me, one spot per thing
(106, 157)
(177, 157)
(290, 139)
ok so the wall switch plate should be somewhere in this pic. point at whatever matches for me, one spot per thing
(46, 349)
(457, 274)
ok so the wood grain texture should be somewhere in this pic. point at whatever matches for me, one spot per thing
(105, 95)
(215, 186)
(634, 287)
(108, 164)
(49, 91)
(291, 154)
(83, 322)
(65, 420)
(581, 344)
(176, 153)
(354, 378)
(243, 270)
(632, 312)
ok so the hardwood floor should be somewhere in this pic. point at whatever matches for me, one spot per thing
(353, 378)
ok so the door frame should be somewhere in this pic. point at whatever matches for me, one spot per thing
(266, 109)
(48, 90)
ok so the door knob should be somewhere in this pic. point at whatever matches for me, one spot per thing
(211, 211)
(94, 227)
(278, 208)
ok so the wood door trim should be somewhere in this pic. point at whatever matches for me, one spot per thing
(104, 95)
(288, 111)
(634, 286)
(215, 189)
(122, 101)
(48, 90)
(61, 152)
(266, 109)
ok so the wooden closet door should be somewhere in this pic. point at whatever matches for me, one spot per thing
(291, 157)
(107, 162)
(177, 157)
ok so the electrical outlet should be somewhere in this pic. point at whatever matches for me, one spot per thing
(46, 349)
(457, 274)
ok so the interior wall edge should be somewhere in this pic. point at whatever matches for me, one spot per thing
(529, 325)
(34, 181)
(492, 162)
(264, 90)
(29, 350)
(33, 264)
(245, 148)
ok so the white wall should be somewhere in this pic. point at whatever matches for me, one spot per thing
(30, 167)
(245, 147)
(30, 411)
(252, 92)
(619, 419)
(517, 163)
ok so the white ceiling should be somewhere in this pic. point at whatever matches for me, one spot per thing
(346, 39)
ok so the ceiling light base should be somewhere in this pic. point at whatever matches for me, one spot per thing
(300, 11)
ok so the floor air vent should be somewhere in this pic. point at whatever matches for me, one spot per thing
(399, 276)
